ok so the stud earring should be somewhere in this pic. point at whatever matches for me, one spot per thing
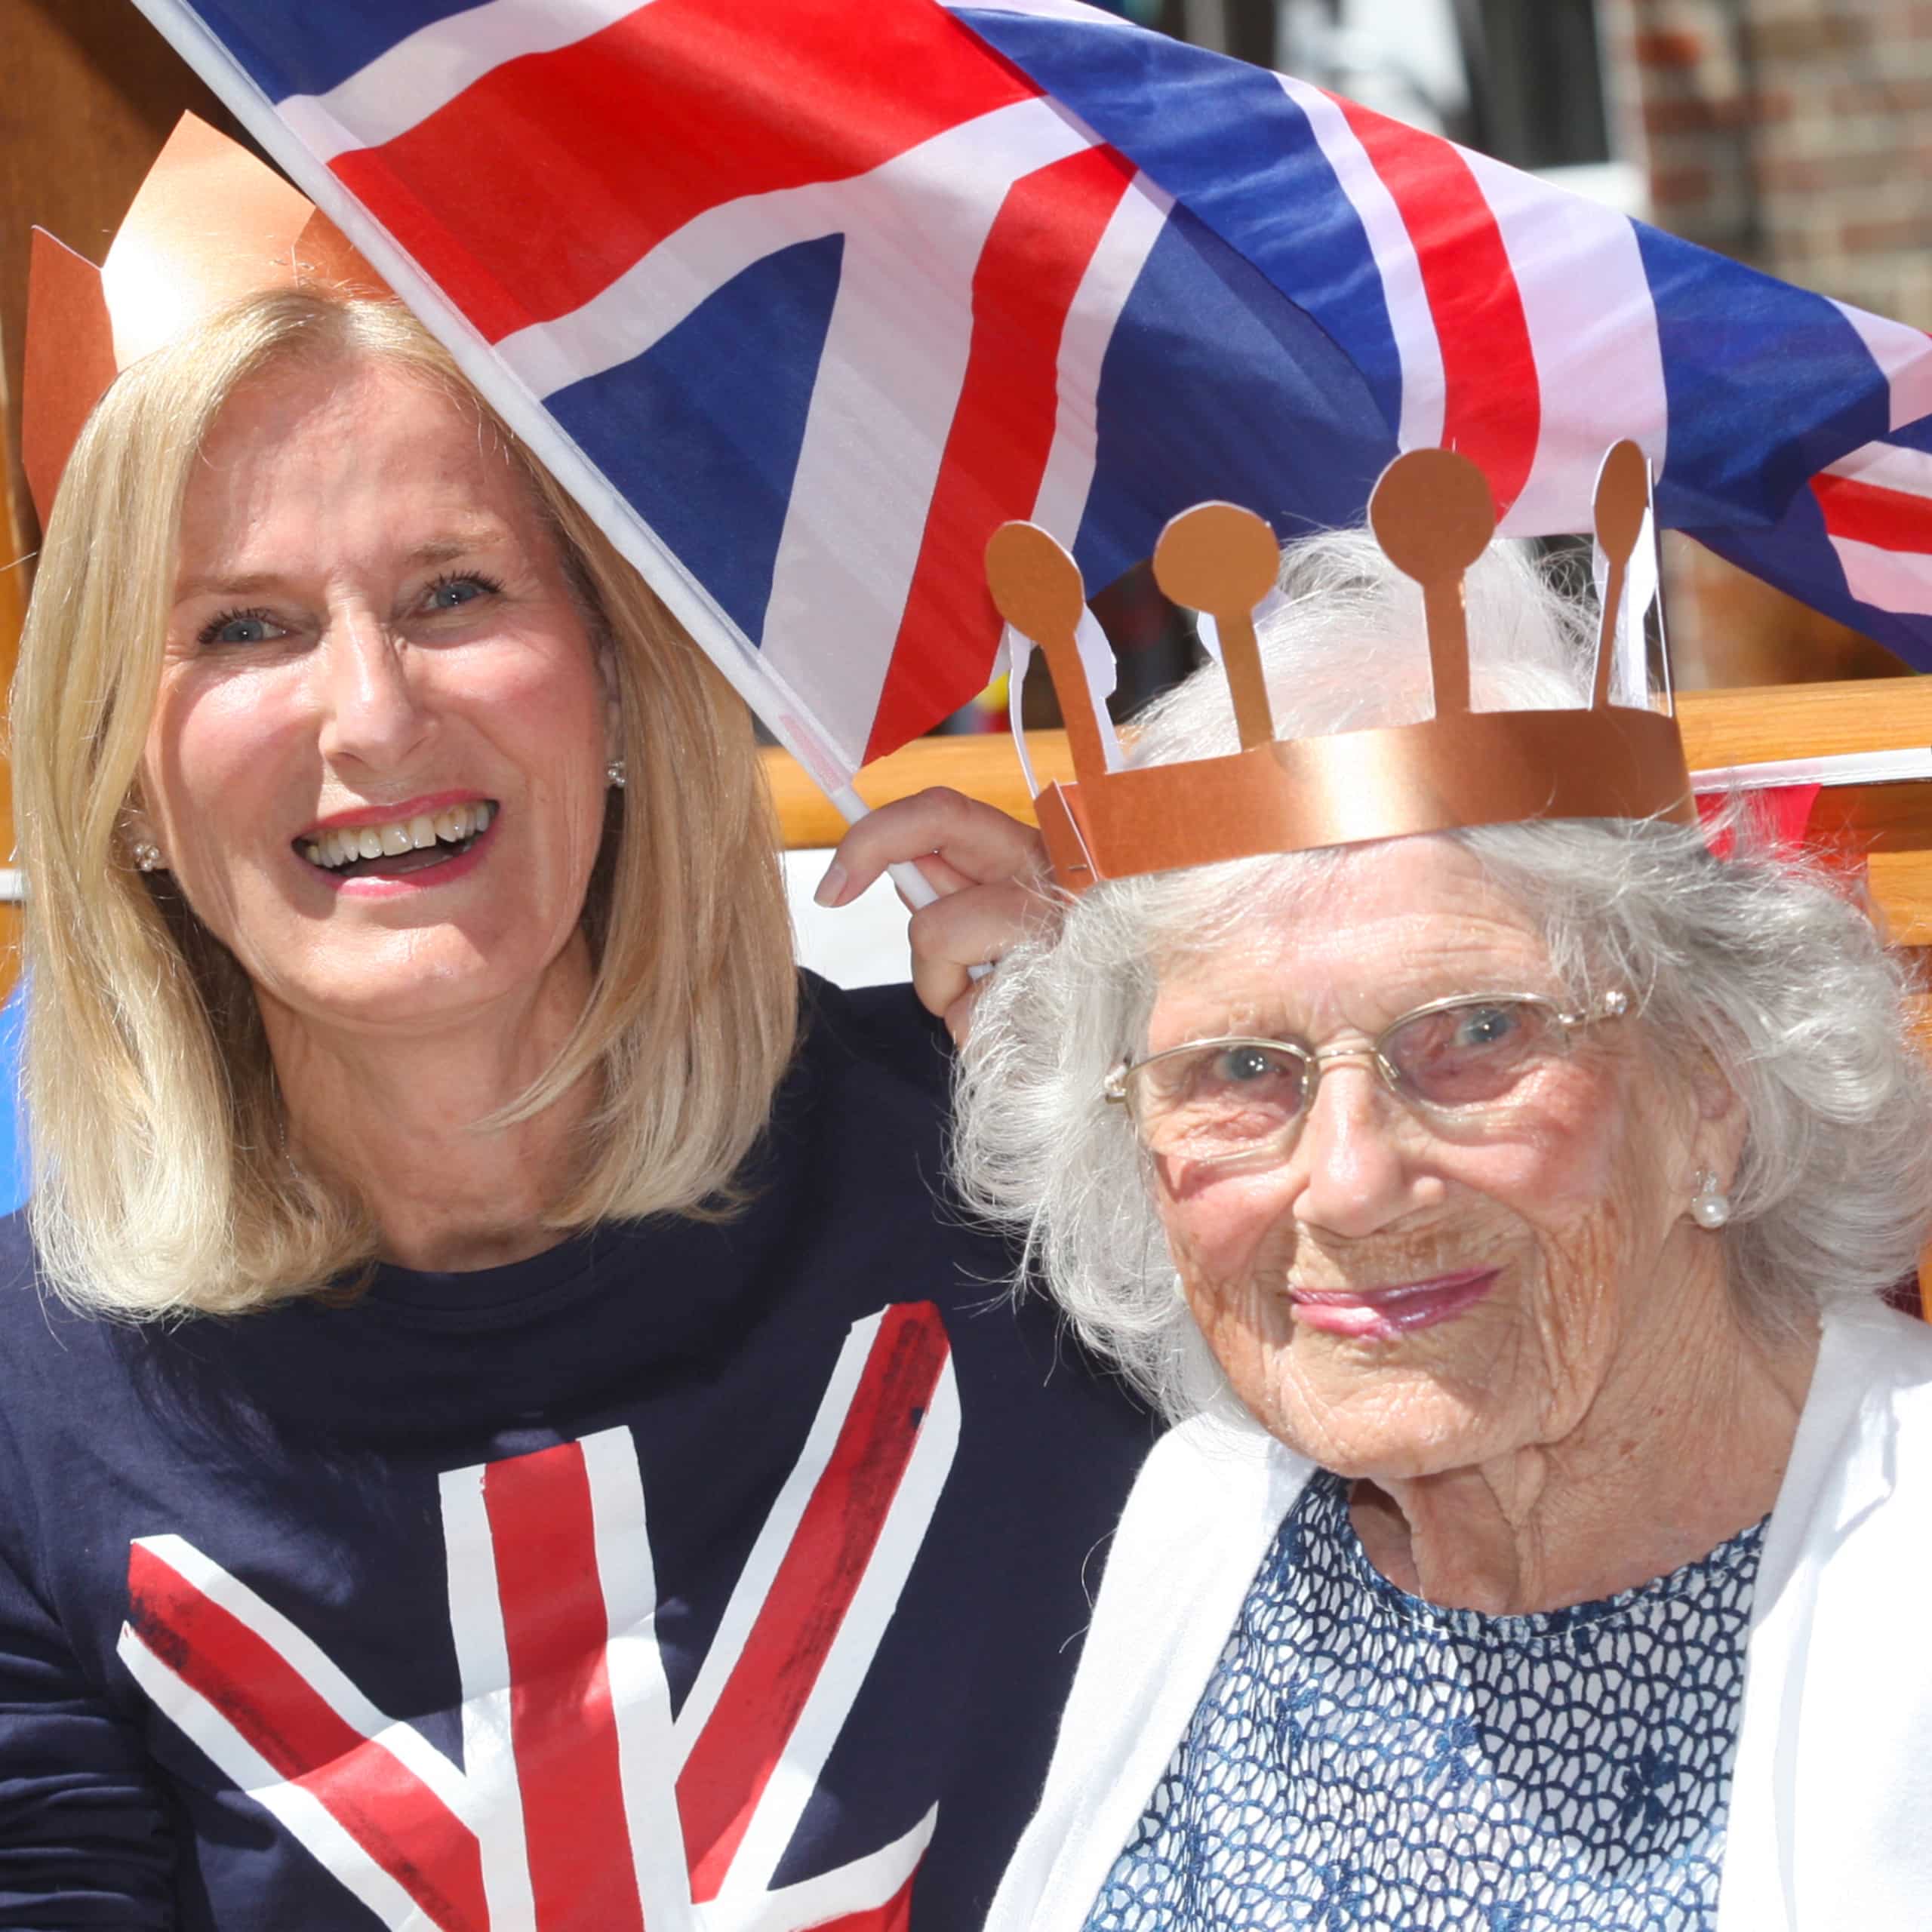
(147, 856)
(613, 773)
(1709, 1206)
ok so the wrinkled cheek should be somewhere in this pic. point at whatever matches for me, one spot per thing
(1578, 1313)
(1224, 1229)
(1232, 1245)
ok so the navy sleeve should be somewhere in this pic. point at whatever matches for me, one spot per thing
(84, 1837)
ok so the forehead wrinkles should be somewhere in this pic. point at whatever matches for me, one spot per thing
(1333, 973)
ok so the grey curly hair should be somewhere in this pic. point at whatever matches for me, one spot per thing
(1761, 961)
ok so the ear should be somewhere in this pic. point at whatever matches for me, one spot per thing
(614, 712)
(136, 825)
(1718, 1135)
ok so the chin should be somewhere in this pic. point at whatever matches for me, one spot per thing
(428, 985)
(1382, 1463)
(1378, 1423)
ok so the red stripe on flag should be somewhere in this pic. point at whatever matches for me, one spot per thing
(1492, 408)
(402, 1825)
(741, 1744)
(547, 178)
(1002, 432)
(562, 1729)
(1868, 513)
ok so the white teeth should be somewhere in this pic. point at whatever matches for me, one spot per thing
(450, 826)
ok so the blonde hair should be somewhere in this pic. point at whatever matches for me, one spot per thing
(161, 1183)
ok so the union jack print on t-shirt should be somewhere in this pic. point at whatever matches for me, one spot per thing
(580, 1800)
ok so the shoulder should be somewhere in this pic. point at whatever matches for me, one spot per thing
(881, 1035)
(36, 1327)
(48, 1350)
(850, 1179)
(19, 1270)
(1879, 1361)
(1215, 1483)
(864, 1105)
(1864, 1438)
(61, 1381)
(1882, 1361)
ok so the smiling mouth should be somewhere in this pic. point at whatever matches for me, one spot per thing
(403, 846)
(1381, 1314)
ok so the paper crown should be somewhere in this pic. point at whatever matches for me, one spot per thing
(209, 224)
(1432, 513)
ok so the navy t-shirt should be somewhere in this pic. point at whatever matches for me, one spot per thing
(690, 1575)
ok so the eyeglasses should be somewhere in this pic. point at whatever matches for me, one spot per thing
(1229, 1099)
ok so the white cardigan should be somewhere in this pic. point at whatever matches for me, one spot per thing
(1830, 1826)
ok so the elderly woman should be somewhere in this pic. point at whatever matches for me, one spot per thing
(1504, 1214)
(493, 1430)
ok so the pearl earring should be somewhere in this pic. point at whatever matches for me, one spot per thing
(613, 773)
(1709, 1206)
(147, 856)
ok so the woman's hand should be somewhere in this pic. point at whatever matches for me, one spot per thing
(987, 869)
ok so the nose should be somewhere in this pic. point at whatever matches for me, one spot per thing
(372, 714)
(1351, 1174)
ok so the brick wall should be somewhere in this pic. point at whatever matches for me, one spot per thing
(1796, 135)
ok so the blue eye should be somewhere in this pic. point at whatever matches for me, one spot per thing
(453, 592)
(1241, 1067)
(1486, 1026)
(240, 627)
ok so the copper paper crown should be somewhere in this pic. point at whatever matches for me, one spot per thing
(208, 225)
(1433, 515)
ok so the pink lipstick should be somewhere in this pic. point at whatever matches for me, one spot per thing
(1380, 1315)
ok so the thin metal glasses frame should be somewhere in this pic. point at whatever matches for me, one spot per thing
(1613, 1005)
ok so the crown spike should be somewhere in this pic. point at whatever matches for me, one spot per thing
(1037, 589)
(1623, 496)
(1433, 515)
(209, 224)
(1433, 512)
(69, 362)
(1224, 560)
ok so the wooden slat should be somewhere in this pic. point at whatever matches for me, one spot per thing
(1890, 825)
(981, 767)
(1767, 722)
(1721, 728)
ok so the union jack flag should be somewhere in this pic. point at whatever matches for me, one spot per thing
(581, 1799)
(803, 300)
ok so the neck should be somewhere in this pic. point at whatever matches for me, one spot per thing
(396, 1119)
(1684, 1445)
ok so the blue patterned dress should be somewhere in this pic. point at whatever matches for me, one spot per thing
(1364, 1761)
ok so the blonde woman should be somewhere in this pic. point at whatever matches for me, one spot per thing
(495, 1426)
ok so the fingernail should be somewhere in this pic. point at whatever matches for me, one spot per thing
(831, 888)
